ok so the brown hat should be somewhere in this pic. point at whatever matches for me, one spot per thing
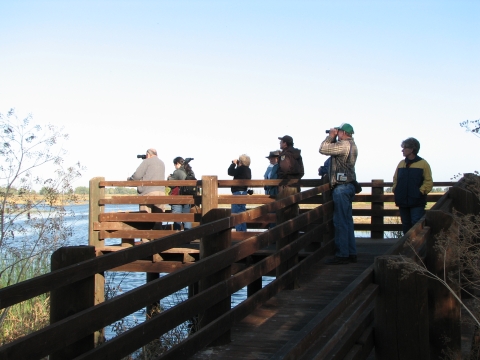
(275, 153)
(287, 138)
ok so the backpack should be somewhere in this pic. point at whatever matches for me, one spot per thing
(189, 190)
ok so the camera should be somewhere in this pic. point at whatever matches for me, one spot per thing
(141, 157)
(187, 160)
(327, 131)
(341, 177)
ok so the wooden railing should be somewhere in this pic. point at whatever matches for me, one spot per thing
(214, 232)
(219, 271)
(400, 316)
(131, 225)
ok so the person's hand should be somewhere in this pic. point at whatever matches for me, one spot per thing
(333, 133)
(235, 161)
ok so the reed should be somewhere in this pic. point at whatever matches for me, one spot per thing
(28, 316)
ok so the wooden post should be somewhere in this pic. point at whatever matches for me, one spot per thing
(401, 316)
(329, 232)
(444, 309)
(255, 285)
(94, 210)
(464, 201)
(72, 298)
(210, 245)
(209, 194)
(377, 190)
(283, 215)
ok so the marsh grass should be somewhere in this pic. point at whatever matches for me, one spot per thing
(28, 316)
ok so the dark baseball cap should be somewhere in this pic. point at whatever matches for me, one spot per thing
(287, 138)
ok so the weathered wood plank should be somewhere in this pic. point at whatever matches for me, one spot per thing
(54, 336)
(180, 199)
(149, 217)
(309, 334)
(377, 227)
(401, 327)
(372, 212)
(135, 234)
(181, 250)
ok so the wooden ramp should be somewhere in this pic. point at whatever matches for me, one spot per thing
(270, 331)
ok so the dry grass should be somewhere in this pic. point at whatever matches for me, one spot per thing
(25, 318)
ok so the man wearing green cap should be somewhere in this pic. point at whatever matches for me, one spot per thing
(342, 172)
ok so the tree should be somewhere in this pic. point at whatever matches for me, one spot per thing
(31, 226)
(81, 190)
(472, 126)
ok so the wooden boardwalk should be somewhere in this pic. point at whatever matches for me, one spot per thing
(262, 334)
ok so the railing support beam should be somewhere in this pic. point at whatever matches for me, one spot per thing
(210, 245)
(283, 215)
(444, 309)
(401, 316)
(72, 298)
(377, 191)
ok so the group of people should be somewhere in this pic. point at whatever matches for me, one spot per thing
(412, 181)
(152, 168)
(286, 163)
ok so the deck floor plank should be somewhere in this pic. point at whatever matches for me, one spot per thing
(262, 333)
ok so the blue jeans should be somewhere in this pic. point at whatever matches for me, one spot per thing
(238, 208)
(343, 221)
(410, 216)
(179, 209)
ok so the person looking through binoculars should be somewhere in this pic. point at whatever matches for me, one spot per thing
(342, 180)
(239, 169)
(151, 168)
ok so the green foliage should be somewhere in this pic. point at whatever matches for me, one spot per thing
(121, 191)
(81, 190)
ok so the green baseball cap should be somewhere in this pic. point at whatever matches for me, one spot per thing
(345, 127)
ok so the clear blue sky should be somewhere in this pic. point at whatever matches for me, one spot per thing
(215, 79)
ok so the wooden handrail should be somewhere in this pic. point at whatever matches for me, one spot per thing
(56, 335)
(69, 330)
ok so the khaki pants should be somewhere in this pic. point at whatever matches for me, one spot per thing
(156, 207)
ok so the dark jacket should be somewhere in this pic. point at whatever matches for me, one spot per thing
(239, 172)
(412, 182)
(290, 164)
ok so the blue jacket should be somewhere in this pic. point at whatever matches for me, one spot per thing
(273, 171)
(412, 182)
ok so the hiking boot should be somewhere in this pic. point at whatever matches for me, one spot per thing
(352, 258)
(337, 260)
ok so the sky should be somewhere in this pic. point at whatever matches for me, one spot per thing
(215, 79)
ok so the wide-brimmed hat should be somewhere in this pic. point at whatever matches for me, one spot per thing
(345, 127)
(275, 153)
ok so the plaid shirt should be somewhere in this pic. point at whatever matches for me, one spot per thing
(341, 161)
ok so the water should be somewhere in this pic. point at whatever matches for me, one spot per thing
(122, 282)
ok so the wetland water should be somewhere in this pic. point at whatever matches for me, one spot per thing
(122, 282)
